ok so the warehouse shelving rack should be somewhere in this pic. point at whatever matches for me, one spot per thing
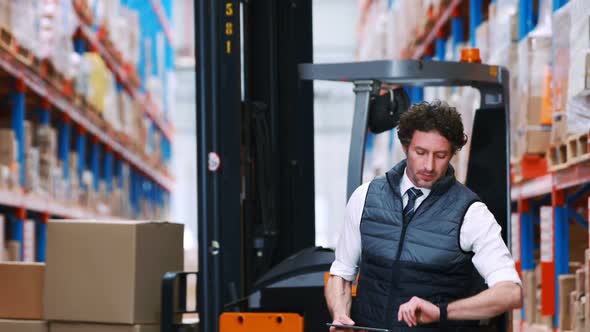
(78, 131)
(561, 189)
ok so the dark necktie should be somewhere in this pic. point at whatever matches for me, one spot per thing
(409, 210)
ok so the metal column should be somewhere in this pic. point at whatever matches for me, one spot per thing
(119, 172)
(525, 18)
(558, 4)
(358, 134)
(475, 18)
(18, 125)
(441, 47)
(560, 243)
(41, 236)
(44, 113)
(527, 244)
(81, 150)
(108, 169)
(95, 163)
(456, 32)
(547, 262)
(64, 145)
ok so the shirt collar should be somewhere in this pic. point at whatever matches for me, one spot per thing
(406, 184)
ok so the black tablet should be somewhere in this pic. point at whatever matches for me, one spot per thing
(353, 327)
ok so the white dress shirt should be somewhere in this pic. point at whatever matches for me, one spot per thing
(480, 234)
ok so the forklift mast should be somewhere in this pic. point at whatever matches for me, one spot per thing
(254, 145)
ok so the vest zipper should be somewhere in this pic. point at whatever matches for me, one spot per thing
(404, 229)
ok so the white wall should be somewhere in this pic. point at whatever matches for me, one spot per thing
(334, 26)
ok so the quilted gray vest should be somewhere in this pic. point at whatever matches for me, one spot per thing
(420, 258)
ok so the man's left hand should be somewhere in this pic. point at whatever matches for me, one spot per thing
(418, 311)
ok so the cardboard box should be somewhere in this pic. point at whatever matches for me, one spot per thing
(13, 250)
(21, 287)
(532, 140)
(8, 147)
(573, 313)
(580, 281)
(579, 322)
(587, 283)
(109, 272)
(2, 237)
(23, 326)
(530, 296)
(567, 284)
(76, 327)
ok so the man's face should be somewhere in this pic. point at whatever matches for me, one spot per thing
(428, 155)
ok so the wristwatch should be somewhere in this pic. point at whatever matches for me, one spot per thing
(443, 314)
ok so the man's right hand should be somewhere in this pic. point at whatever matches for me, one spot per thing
(342, 320)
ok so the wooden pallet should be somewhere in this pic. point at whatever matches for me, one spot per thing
(5, 38)
(578, 149)
(23, 54)
(557, 157)
(94, 116)
(47, 71)
(83, 11)
(11, 45)
(78, 99)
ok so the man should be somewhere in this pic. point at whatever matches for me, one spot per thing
(425, 243)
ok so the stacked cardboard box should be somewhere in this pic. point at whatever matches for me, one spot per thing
(566, 284)
(22, 290)
(3, 249)
(57, 23)
(5, 15)
(32, 170)
(13, 325)
(503, 51)
(99, 276)
(571, 41)
(73, 193)
(46, 140)
(530, 296)
(9, 166)
(578, 103)
(80, 327)
(22, 14)
(98, 78)
(104, 276)
(585, 298)
(533, 59)
(87, 192)
(8, 147)
(577, 302)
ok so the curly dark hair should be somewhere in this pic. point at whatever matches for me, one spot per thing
(438, 116)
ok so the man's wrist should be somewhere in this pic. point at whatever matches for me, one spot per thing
(339, 315)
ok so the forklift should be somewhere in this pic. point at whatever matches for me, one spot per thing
(259, 268)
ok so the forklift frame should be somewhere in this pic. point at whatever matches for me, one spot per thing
(489, 161)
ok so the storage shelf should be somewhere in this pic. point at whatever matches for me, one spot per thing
(442, 19)
(572, 176)
(40, 87)
(148, 108)
(45, 204)
(532, 188)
